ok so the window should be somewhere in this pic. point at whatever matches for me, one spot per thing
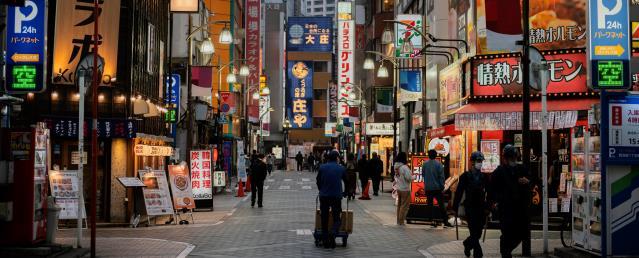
(320, 67)
(320, 94)
(318, 122)
(318, 9)
(330, 9)
(387, 5)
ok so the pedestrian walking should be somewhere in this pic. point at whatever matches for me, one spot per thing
(311, 162)
(329, 183)
(403, 178)
(433, 175)
(270, 162)
(362, 169)
(509, 192)
(472, 186)
(258, 175)
(351, 177)
(376, 167)
(300, 161)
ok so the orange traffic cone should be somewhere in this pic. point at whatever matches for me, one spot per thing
(248, 184)
(240, 189)
(365, 192)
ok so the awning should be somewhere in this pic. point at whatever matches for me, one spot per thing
(507, 116)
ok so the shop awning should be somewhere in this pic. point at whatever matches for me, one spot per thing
(507, 116)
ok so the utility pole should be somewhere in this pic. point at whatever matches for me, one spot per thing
(525, 123)
(94, 131)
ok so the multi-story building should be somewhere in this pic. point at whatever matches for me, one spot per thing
(318, 7)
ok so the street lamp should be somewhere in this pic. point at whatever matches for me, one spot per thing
(382, 72)
(387, 36)
(369, 64)
(207, 47)
(244, 71)
(266, 91)
(286, 125)
(225, 36)
(231, 78)
(256, 95)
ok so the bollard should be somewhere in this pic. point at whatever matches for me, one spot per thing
(53, 211)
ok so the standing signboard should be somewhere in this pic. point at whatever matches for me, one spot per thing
(201, 175)
(181, 187)
(157, 198)
(609, 44)
(490, 149)
(26, 43)
(406, 33)
(64, 188)
(417, 192)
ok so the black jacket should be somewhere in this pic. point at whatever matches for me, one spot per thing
(473, 184)
(375, 167)
(511, 197)
(362, 168)
(258, 171)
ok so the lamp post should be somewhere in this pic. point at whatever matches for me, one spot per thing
(286, 125)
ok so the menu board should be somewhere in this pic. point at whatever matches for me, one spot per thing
(201, 175)
(65, 189)
(490, 149)
(157, 198)
(181, 187)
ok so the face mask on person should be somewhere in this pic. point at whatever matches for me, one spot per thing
(478, 165)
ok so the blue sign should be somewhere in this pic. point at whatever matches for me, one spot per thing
(310, 34)
(299, 99)
(609, 43)
(410, 83)
(173, 89)
(26, 47)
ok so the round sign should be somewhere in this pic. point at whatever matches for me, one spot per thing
(225, 107)
(440, 145)
(296, 31)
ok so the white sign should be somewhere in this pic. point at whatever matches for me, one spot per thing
(278, 152)
(75, 157)
(346, 65)
(379, 129)
(157, 198)
(241, 161)
(328, 129)
(441, 146)
(405, 33)
(490, 149)
(147, 150)
(624, 125)
(201, 174)
(219, 178)
(64, 188)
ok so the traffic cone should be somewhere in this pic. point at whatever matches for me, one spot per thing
(240, 189)
(365, 195)
(248, 184)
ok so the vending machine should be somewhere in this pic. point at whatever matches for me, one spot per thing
(23, 207)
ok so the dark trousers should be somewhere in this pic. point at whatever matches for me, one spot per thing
(269, 168)
(334, 204)
(376, 180)
(514, 230)
(257, 188)
(299, 166)
(430, 195)
(476, 220)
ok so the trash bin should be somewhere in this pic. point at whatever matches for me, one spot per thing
(53, 211)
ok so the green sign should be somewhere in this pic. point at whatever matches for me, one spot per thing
(24, 77)
(610, 74)
(170, 116)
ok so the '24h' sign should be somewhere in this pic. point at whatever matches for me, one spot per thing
(26, 41)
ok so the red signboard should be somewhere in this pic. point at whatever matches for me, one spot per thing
(253, 49)
(447, 130)
(417, 192)
(503, 75)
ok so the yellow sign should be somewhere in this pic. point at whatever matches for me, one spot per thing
(263, 84)
(74, 38)
(635, 34)
(609, 50)
(29, 58)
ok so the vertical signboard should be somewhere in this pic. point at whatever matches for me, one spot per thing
(417, 192)
(450, 82)
(201, 174)
(314, 34)
(406, 33)
(172, 96)
(410, 84)
(332, 101)
(26, 47)
(609, 44)
(346, 64)
(299, 99)
(181, 187)
(252, 52)
(74, 38)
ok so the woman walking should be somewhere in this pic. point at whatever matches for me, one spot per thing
(351, 177)
(403, 178)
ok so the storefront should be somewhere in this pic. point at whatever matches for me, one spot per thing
(381, 142)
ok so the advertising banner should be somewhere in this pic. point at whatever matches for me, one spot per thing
(490, 149)
(346, 64)
(384, 100)
(417, 192)
(201, 174)
(252, 53)
(379, 128)
(634, 19)
(450, 82)
(201, 81)
(558, 24)
(312, 34)
(181, 187)
(299, 99)
(265, 115)
(74, 38)
(227, 102)
(609, 44)
(635, 34)
(406, 33)
(64, 188)
(26, 47)
(410, 84)
(498, 25)
(157, 198)
(332, 101)
(502, 76)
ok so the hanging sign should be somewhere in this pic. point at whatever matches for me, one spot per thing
(314, 34)
(346, 65)
(441, 146)
(26, 47)
(406, 33)
(410, 83)
(299, 101)
(609, 44)
(201, 174)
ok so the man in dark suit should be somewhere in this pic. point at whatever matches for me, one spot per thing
(376, 167)
(259, 169)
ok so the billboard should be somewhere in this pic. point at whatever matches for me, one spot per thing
(502, 75)
(559, 24)
(312, 34)
(26, 47)
(450, 82)
(405, 34)
(410, 84)
(299, 99)
(252, 53)
(346, 64)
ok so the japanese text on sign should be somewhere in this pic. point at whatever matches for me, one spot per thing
(310, 34)
(300, 94)
(346, 65)
(252, 50)
(201, 174)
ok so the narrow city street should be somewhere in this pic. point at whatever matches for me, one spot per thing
(283, 228)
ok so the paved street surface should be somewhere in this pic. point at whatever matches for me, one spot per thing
(283, 228)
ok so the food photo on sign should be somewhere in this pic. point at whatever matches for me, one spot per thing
(181, 186)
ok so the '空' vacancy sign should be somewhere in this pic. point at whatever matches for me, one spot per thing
(346, 64)
(74, 38)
